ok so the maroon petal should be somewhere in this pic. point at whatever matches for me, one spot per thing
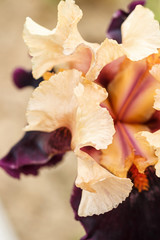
(36, 150)
(109, 72)
(138, 218)
(23, 78)
(114, 29)
(133, 4)
(154, 122)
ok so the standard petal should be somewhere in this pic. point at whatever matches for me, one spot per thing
(69, 100)
(140, 34)
(114, 29)
(53, 104)
(109, 51)
(94, 125)
(45, 46)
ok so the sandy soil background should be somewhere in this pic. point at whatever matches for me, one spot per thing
(39, 207)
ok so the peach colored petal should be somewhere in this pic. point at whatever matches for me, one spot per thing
(144, 153)
(126, 150)
(140, 34)
(157, 100)
(53, 103)
(45, 46)
(94, 125)
(89, 171)
(152, 140)
(139, 40)
(106, 53)
(109, 194)
(62, 45)
(155, 71)
(102, 191)
(68, 100)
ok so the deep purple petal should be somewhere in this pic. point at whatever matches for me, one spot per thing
(35, 150)
(154, 121)
(114, 29)
(138, 218)
(31, 169)
(133, 4)
(23, 78)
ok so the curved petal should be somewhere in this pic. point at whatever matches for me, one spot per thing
(109, 194)
(36, 150)
(69, 100)
(62, 45)
(137, 44)
(45, 46)
(114, 29)
(155, 71)
(157, 100)
(140, 34)
(89, 172)
(94, 125)
(109, 51)
(53, 103)
(102, 190)
(126, 150)
(153, 140)
(136, 218)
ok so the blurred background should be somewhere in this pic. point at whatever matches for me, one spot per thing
(38, 208)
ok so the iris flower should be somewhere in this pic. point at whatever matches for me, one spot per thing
(102, 102)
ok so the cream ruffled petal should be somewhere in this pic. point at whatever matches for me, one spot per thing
(53, 103)
(157, 100)
(102, 191)
(68, 100)
(140, 38)
(94, 125)
(153, 140)
(109, 194)
(106, 53)
(155, 71)
(140, 34)
(89, 172)
(45, 46)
